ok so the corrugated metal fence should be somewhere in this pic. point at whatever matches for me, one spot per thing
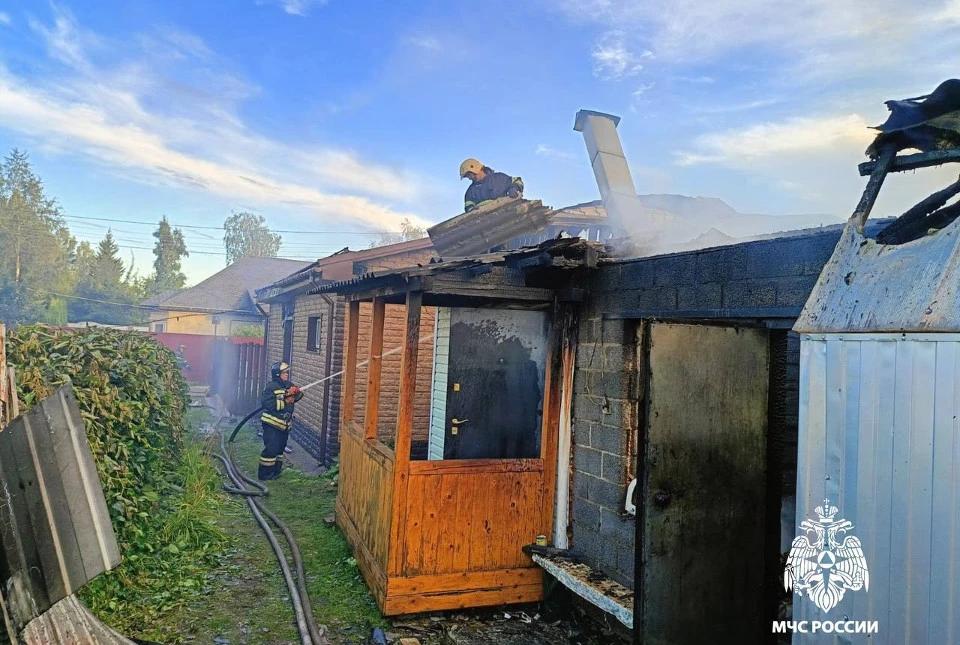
(879, 438)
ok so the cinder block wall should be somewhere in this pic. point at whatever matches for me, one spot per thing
(770, 274)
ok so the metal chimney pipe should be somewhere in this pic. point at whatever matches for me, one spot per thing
(624, 211)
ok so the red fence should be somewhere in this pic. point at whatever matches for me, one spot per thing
(197, 351)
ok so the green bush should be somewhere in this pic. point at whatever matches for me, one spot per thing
(161, 493)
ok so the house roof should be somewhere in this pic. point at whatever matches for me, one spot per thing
(231, 289)
(312, 274)
(561, 253)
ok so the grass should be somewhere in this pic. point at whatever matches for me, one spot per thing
(248, 601)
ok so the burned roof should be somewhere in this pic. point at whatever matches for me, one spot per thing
(488, 226)
(557, 254)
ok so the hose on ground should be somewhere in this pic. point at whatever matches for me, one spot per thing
(306, 624)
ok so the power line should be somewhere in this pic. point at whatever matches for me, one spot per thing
(220, 228)
(136, 306)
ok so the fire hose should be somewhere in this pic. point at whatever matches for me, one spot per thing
(310, 634)
(306, 625)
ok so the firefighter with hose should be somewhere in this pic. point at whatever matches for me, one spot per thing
(276, 418)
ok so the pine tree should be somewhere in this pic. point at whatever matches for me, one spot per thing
(169, 249)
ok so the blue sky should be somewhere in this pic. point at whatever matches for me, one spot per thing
(344, 117)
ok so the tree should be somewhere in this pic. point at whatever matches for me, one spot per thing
(247, 235)
(35, 246)
(408, 231)
(104, 288)
(169, 249)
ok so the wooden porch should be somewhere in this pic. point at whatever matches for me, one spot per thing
(447, 533)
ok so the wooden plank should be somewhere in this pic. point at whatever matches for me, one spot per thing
(474, 466)
(413, 530)
(405, 413)
(465, 581)
(550, 429)
(367, 563)
(471, 289)
(869, 197)
(14, 410)
(448, 523)
(913, 162)
(430, 536)
(350, 364)
(374, 365)
(466, 498)
(398, 605)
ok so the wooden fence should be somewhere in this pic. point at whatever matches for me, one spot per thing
(239, 373)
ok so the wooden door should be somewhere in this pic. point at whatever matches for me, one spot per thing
(702, 461)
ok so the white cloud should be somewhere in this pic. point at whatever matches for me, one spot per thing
(637, 100)
(5, 18)
(295, 7)
(744, 147)
(613, 60)
(545, 150)
(428, 43)
(178, 125)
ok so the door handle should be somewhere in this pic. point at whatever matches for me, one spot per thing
(455, 421)
(662, 499)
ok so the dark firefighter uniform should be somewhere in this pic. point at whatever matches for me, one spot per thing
(487, 184)
(276, 418)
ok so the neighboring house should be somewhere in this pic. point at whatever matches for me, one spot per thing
(306, 330)
(221, 303)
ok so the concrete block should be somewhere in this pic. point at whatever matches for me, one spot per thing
(793, 292)
(588, 408)
(581, 485)
(675, 270)
(607, 278)
(750, 294)
(608, 439)
(655, 299)
(616, 332)
(586, 514)
(606, 494)
(638, 274)
(721, 265)
(617, 357)
(700, 296)
(587, 460)
(613, 468)
(588, 544)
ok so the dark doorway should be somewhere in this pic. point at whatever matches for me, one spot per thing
(494, 393)
(701, 525)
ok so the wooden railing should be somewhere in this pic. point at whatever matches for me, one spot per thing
(365, 499)
(471, 515)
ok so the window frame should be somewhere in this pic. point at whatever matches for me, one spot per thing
(315, 333)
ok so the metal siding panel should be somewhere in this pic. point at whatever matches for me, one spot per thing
(944, 489)
(919, 514)
(899, 568)
(885, 407)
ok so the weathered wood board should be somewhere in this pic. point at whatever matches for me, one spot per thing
(54, 524)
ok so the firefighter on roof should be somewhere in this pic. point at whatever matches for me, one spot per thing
(276, 417)
(487, 184)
